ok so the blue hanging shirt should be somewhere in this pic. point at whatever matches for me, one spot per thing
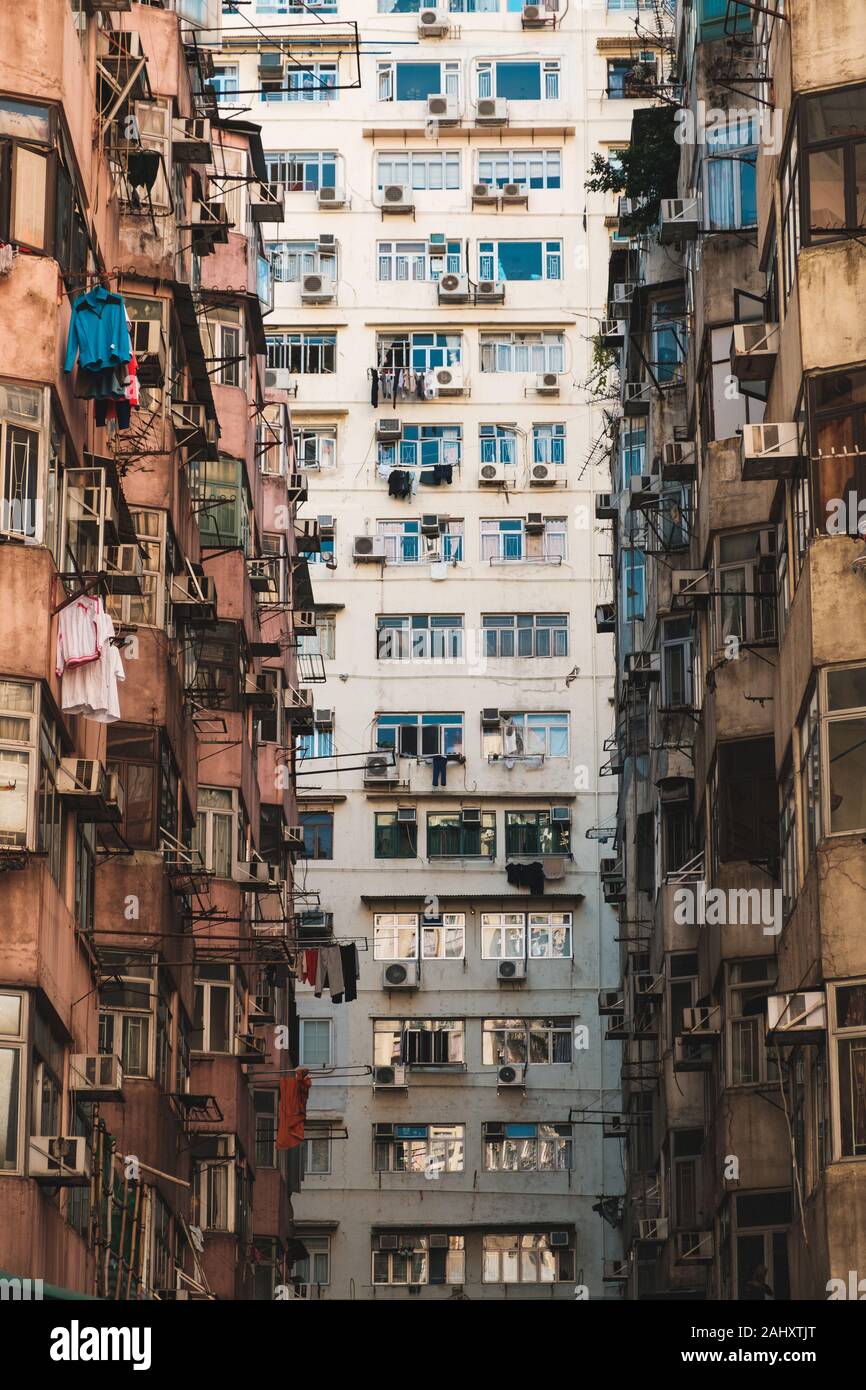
(98, 332)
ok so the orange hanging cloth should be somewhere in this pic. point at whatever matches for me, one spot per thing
(293, 1109)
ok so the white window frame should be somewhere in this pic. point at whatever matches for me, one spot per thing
(549, 78)
(522, 352)
(16, 517)
(311, 1137)
(450, 76)
(317, 1247)
(838, 1035)
(387, 929)
(292, 259)
(444, 1143)
(230, 813)
(316, 1025)
(511, 161)
(560, 1143)
(17, 1043)
(488, 260)
(17, 750)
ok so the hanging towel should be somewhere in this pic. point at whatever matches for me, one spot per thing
(294, 1091)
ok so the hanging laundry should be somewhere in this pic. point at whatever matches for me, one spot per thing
(440, 770)
(309, 966)
(374, 388)
(78, 640)
(529, 876)
(329, 973)
(351, 971)
(142, 168)
(399, 483)
(294, 1091)
(419, 385)
(98, 332)
(90, 688)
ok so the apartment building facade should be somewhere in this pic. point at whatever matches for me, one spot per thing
(433, 285)
(145, 897)
(738, 622)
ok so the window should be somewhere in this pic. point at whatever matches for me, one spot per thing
(520, 260)
(718, 19)
(323, 642)
(419, 1149)
(749, 983)
(518, 81)
(148, 772)
(417, 260)
(849, 1024)
(745, 801)
(21, 418)
(728, 175)
(317, 1152)
(788, 839)
(217, 1010)
(221, 1186)
(503, 935)
(225, 84)
(216, 667)
(419, 637)
(418, 1042)
(746, 574)
(300, 7)
(789, 182)
(528, 1148)
(318, 744)
(837, 419)
(810, 774)
(424, 446)
(443, 938)
(303, 82)
(292, 260)
(85, 875)
(422, 352)
(423, 172)
(148, 609)
(450, 835)
(303, 353)
(686, 1149)
(528, 736)
(845, 749)
(417, 81)
(528, 168)
(761, 1253)
(304, 172)
(618, 70)
(394, 838)
(498, 444)
(126, 1008)
(221, 502)
(315, 1266)
(315, 446)
(315, 1044)
(216, 830)
(677, 655)
(421, 735)
(545, 1041)
(682, 989)
(548, 444)
(668, 340)
(402, 541)
(525, 634)
(633, 584)
(318, 828)
(418, 1259)
(504, 541)
(13, 1062)
(535, 832)
(49, 810)
(265, 1105)
(40, 207)
(632, 450)
(395, 935)
(834, 146)
(522, 352)
(526, 1259)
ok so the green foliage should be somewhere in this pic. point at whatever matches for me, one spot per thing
(646, 171)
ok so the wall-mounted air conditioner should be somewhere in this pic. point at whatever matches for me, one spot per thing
(93, 1076)
(400, 974)
(278, 378)
(770, 451)
(491, 111)
(380, 767)
(448, 381)
(511, 972)
(512, 1074)
(433, 21)
(678, 462)
(547, 383)
(614, 1127)
(705, 1021)
(470, 815)
(60, 1160)
(542, 475)
(610, 1001)
(536, 16)
(453, 289)
(366, 548)
(612, 333)
(397, 197)
(443, 109)
(690, 588)
(390, 1078)
(797, 1018)
(191, 141)
(513, 193)
(484, 193)
(643, 666)
(679, 220)
(331, 198)
(754, 349)
(654, 1230)
(317, 289)
(490, 292)
(388, 429)
(491, 718)
(293, 837)
(491, 473)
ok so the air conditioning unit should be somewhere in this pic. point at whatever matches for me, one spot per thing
(109, 6)
(449, 380)
(193, 598)
(327, 525)
(433, 22)
(368, 548)
(536, 16)
(615, 1272)
(754, 349)
(471, 815)
(304, 622)
(547, 383)
(124, 569)
(605, 618)
(323, 718)
(429, 524)
(406, 815)
(61, 1160)
(636, 397)
(491, 111)
(515, 193)
(678, 462)
(689, 588)
(627, 207)
(443, 109)
(679, 220)
(484, 193)
(610, 1001)
(255, 876)
(511, 971)
(151, 354)
(694, 1247)
(606, 508)
(614, 1127)
(453, 289)
(84, 783)
(797, 1018)
(397, 197)
(388, 429)
(278, 378)
(642, 492)
(390, 1078)
(654, 1230)
(327, 241)
(770, 451)
(512, 1074)
(271, 65)
(491, 718)
(643, 666)
(316, 289)
(692, 1054)
(293, 837)
(298, 703)
(400, 974)
(191, 141)
(491, 473)
(534, 524)
(542, 475)
(704, 1021)
(490, 292)
(379, 767)
(93, 1076)
(560, 815)
(267, 203)
(612, 333)
(331, 198)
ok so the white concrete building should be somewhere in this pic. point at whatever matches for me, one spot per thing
(436, 222)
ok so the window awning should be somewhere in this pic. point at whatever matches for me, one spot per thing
(372, 899)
